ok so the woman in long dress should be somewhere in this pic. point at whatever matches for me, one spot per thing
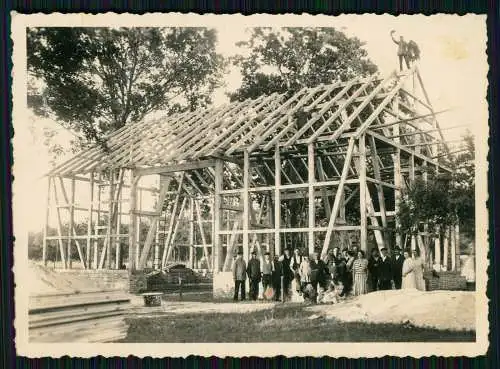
(408, 274)
(418, 270)
(360, 274)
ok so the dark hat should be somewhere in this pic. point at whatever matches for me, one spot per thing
(397, 248)
(267, 253)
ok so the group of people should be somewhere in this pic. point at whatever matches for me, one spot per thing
(348, 271)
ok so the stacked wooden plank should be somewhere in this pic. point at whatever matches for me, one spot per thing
(78, 317)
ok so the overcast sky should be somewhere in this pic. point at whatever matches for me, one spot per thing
(453, 67)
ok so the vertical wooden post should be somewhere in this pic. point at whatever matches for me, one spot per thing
(412, 169)
(156, 259)
(277, 200)
(132, 232)
(437, 249)
(380, 189)
(71, 223)
(46, 224)
(96, 228)
(89, 220)
(109, 231)
(246, 203)
(342, 206)
(191, 233)
(216, 238)
(59, 228)
(118, 220)
(413, 242)
(453, 248)
(457, 248)
(397, 170)
(362, 193)
(312, 207)
(138, 232)
(445, 247)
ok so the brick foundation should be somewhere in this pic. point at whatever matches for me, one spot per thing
(451, 281)
(137, 281)
(103, 278)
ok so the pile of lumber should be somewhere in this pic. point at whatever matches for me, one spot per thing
(97, 316)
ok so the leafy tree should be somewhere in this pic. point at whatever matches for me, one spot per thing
(442, 201)
(463, 192)
(96, 80)
(291, 58)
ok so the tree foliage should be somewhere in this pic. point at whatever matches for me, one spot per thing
(291, 58)
(463, 191)
(442, 201)
(96, 80)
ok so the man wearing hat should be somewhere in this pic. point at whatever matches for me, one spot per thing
(397, 267)
(267, 271)
(239, 276)
(254, 275)
(287, 273)
(373, 268)
(385, 271)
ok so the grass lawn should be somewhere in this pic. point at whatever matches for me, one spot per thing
(285, 323)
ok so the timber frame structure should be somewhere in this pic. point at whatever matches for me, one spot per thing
(309, 169)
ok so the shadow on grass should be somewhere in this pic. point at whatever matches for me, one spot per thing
(284, 323)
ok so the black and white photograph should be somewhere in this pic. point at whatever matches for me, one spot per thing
(262, 185)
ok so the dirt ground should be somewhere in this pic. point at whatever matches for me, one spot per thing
(444, 310)
(264, 322)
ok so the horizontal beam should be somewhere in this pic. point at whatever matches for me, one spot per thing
(175, 168)
(232, 208)
(292, 230)
(85, 237)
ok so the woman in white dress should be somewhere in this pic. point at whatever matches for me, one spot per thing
(360, 274)
(418, 270)
(408, 275)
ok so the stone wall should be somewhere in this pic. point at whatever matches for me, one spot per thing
(102, 278)
(138, 281)
(451, 281)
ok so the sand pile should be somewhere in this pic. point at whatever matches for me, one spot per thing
(41, 280)
(453, 310)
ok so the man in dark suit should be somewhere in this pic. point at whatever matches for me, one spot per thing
(239, 276)
(373, 269)
(385, 271)
(276, 278)
(254, 275)
(397, 267)
(287, 273)
(318, 271)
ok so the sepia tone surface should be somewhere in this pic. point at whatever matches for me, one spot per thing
(452, 49)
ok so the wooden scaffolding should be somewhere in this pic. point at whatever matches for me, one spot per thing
(318, 168)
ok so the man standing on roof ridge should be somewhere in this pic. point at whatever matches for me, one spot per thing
(402, 51)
